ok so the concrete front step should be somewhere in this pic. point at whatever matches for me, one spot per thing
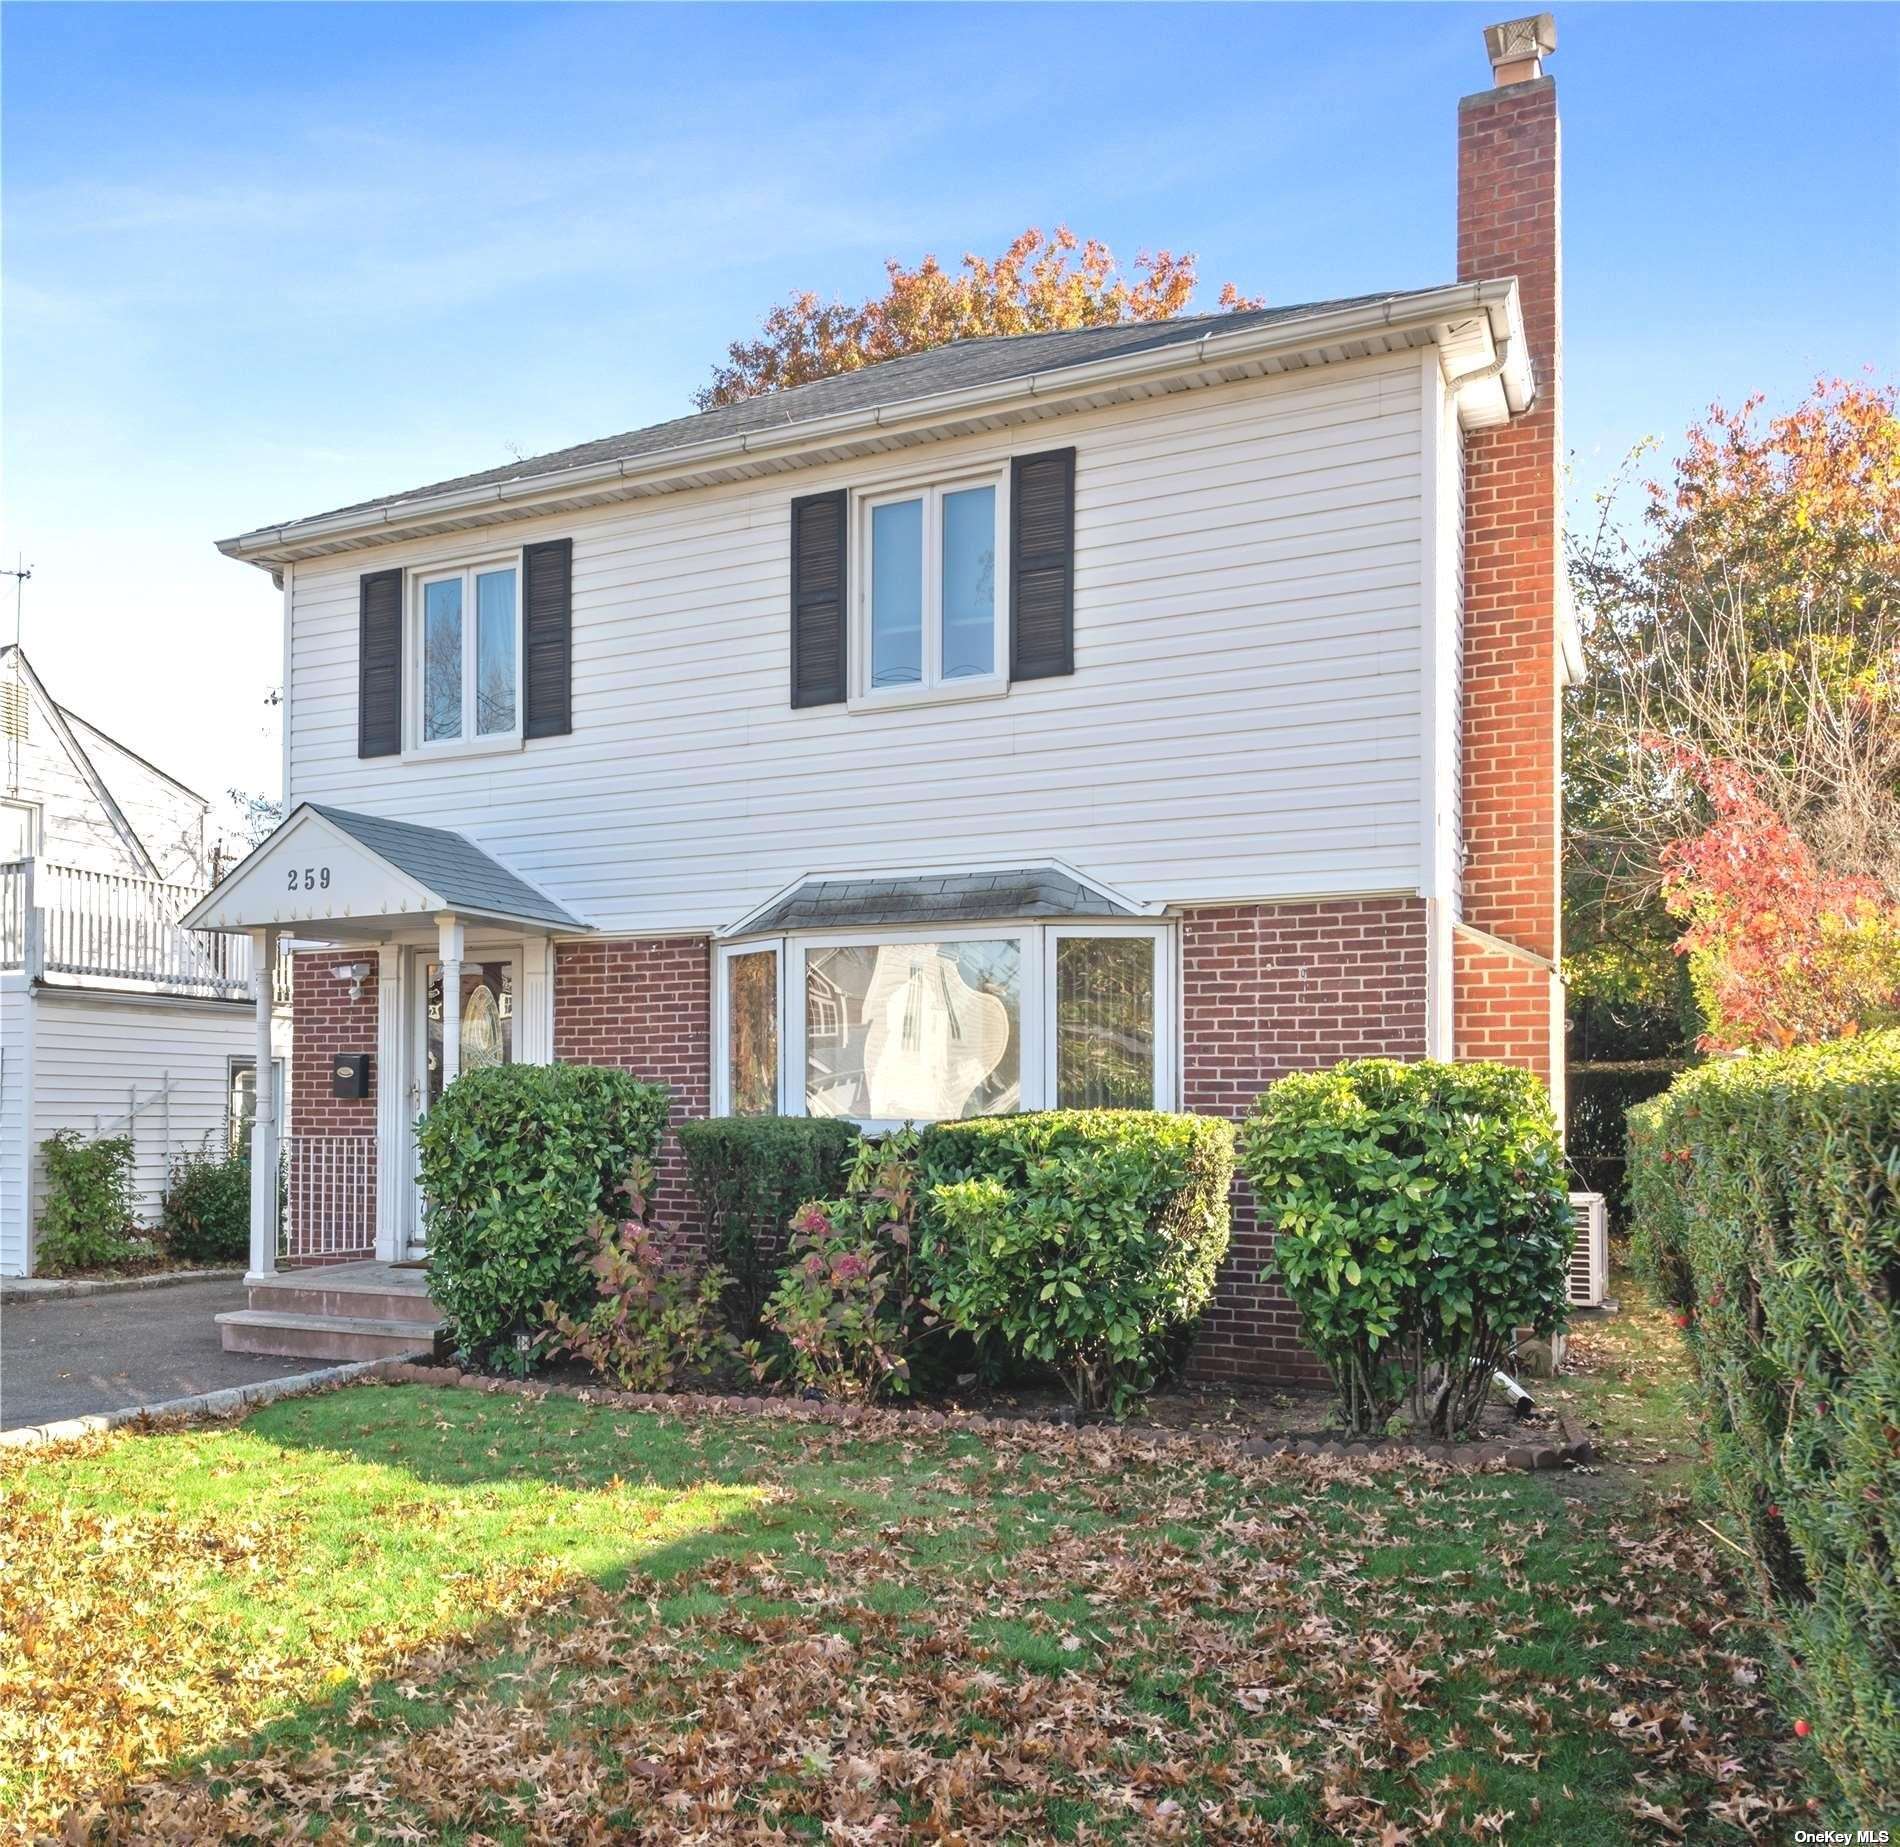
(306, 1293)
(322, 1337)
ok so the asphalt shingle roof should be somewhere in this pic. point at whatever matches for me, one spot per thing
(935, 898)
(452, 865)
(963, 363)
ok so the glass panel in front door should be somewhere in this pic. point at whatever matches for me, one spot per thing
(487, 1007)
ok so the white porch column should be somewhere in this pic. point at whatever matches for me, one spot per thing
(451, 958)
(264, 1136)
(534, 1019)
(392, 1105)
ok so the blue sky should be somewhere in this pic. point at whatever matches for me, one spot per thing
(263, 260)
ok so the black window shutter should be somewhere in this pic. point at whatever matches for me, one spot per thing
(818, 599)
(547, 631)
(1042, 565)
(379, 664)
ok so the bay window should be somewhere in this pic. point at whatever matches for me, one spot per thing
(888, 1027)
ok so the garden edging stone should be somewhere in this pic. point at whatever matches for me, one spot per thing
(59, 1288)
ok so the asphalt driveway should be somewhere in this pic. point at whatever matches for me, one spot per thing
(75, 1354)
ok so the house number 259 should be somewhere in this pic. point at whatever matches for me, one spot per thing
(309, 878)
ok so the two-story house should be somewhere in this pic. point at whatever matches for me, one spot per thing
(114, 1018)
(1122, 716)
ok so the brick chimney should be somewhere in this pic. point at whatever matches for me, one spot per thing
(1508, 1001)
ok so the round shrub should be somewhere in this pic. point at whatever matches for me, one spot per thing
(1420, 1218)
(206, 1213)
(514, 1162)
(1086, 1240)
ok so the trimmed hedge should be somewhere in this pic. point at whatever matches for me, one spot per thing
(514, 1161)
(1087, 1240)
(1420, 1217)
(1766, 1191)
(748, 1175)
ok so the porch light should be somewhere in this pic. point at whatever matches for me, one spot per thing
(355, 973)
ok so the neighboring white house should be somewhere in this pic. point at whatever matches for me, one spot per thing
(113, 1019)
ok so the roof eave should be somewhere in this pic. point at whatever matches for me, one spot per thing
(1426, 312)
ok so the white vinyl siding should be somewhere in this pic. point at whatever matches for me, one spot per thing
(96, 1055)
(1243, 721)
(16, 1057)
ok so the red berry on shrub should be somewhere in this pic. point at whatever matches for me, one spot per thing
(1801, 1728)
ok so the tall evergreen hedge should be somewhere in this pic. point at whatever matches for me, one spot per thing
(1767, 1209)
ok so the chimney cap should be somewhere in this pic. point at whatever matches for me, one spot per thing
(1518, 47)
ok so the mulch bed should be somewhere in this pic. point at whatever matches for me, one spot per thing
(1262, 1424)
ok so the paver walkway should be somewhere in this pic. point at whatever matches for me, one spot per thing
(67, 1357)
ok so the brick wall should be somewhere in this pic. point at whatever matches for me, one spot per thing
(1502, 1008)
(1509, 224)
(646, 1006)
(325, 1020)
(1268, 989)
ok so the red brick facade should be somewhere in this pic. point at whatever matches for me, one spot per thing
(1268, 989)
(327, 1019)
(646, 1006)
(1509, 225)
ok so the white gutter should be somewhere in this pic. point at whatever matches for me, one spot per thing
(1497, 299)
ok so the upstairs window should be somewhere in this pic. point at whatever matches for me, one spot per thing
(467, 655)
(931, 598)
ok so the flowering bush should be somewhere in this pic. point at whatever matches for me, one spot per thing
(845, 1306)
(655, 1321)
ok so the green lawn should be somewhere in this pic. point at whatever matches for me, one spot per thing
(404, 1613)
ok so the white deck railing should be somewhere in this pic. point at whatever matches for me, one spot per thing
(328, 1197)
(108, 927)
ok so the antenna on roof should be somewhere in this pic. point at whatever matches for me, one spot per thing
(20, 573)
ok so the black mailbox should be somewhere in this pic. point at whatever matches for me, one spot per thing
(349, 1075)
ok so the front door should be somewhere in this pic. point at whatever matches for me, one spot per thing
(486, 1007)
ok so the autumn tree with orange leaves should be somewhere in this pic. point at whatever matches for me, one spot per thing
(1734, 756)
(1043, 282)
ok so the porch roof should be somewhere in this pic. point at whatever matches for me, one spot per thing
(357, 874)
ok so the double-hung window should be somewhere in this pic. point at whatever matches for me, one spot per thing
(931, 596)
(466, 649)
(886, 1027)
